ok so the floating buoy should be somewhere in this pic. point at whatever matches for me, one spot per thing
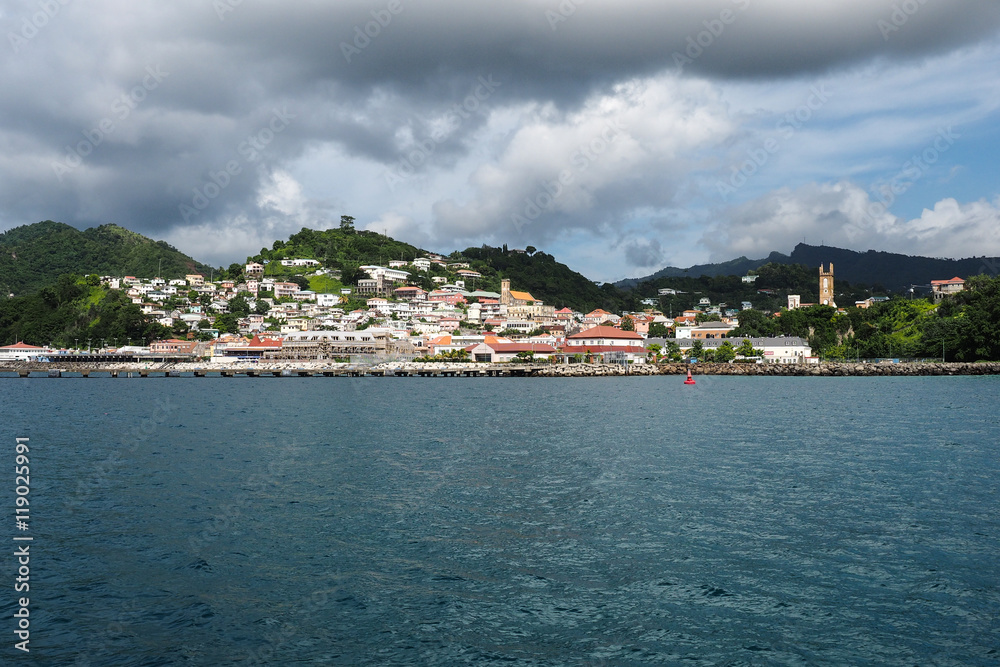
(690, 380)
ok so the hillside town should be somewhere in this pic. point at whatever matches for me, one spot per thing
(261, 318)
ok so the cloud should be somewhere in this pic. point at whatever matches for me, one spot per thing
(845, 215)
(130, 112)
(643, 253)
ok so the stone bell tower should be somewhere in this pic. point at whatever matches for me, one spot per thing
(505, 292)
(826, 286)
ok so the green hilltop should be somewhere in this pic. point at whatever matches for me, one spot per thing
(34, 256)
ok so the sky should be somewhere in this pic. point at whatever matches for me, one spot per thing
(620, 136)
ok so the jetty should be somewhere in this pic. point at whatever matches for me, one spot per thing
(405, 369)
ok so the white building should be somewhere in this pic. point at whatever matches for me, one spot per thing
(299, 262)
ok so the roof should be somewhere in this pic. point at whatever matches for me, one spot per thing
(266, 341)
(954, 281)
(514, 348)
(599, 349)
(522, 296)
(606, 332)
(21, 346)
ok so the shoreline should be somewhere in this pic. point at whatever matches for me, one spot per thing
(409, 368)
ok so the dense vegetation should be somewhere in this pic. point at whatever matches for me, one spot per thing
(73, 311)
(33, 256)
(965, 327)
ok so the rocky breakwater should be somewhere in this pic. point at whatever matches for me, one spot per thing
(801, 370)
(598, 370)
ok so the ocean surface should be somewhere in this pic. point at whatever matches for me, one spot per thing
(495, 521)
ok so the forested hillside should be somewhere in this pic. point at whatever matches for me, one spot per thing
(32, 256)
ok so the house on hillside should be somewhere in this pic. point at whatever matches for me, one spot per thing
(942, 288)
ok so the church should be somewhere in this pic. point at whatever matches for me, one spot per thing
(522, 304)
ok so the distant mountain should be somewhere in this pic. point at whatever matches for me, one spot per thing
(891, 270)
(34, 256)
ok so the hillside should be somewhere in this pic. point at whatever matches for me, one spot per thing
(345, 249)
(33, 256)
(894, 271)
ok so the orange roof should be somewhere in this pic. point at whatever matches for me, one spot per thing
(606, 332)
(266, 341)
(522, 296)
(21, 346)
(954, 281)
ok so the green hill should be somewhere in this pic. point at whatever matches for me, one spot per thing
(33, 256)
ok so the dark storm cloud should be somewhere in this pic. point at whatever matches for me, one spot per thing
(230, 66)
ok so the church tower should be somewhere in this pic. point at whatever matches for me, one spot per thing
(826, 286)
(505, 291)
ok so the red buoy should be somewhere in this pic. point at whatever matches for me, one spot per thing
(690, 380)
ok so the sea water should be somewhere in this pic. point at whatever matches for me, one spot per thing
(489, 521)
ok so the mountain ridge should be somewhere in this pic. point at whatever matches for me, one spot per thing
(894, 271)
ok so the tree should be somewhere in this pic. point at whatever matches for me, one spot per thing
(697, 350)
(347, 224)
(746, 349)
(531, 250)
(725, 353)
(755, 324)
(238, 306)
(227, 323)
(628, 324)
(658, 330)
